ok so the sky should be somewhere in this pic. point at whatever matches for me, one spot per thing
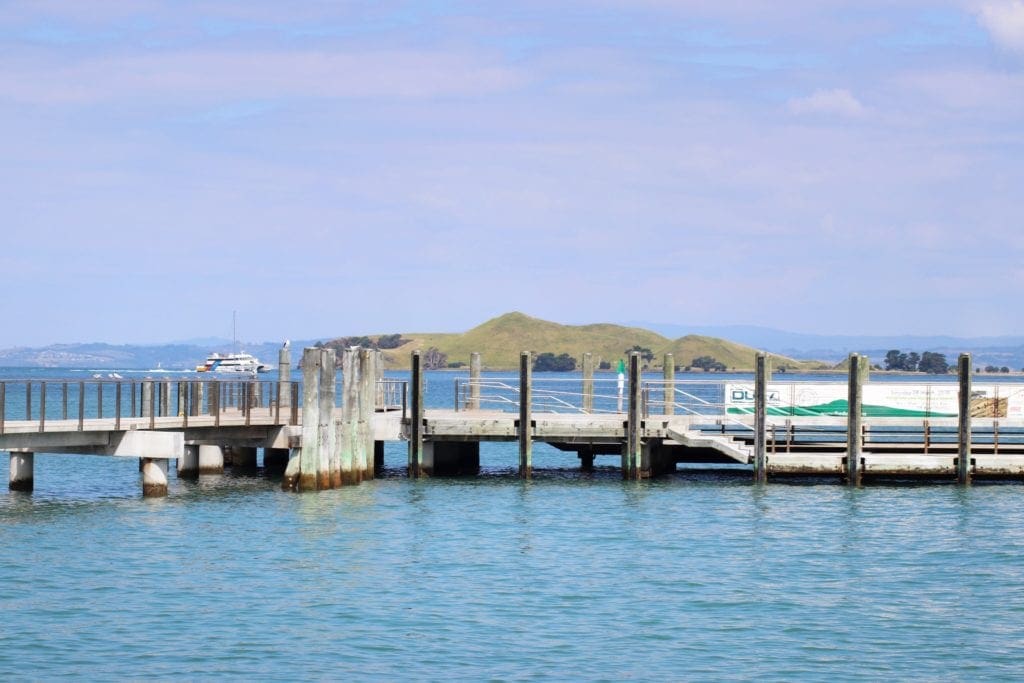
(336, 168)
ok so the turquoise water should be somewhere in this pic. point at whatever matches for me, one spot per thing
(571, 576)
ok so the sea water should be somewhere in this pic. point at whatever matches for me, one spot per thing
(570, 576)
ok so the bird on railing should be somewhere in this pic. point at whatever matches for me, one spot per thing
(287, 343)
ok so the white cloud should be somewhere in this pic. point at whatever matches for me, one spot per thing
(838, 101)
(1004, 19)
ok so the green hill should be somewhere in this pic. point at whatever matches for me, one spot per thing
(501, 339)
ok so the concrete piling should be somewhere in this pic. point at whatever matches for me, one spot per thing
(188, 465)
(154, 477)
(211, 459)
(22, 472)
(284, 376)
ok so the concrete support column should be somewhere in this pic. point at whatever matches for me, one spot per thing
(586, 455)
(211, 459)
(22, 469)
(154, 477)
(188, 466)
(243, 457)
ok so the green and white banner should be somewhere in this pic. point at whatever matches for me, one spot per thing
(888, 399)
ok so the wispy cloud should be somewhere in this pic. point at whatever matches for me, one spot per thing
(837, 101)
(1004, 20)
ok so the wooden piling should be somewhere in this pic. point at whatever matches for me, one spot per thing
(854, 420)
(309, 458)
(328, 472)
(416, 416)
(963, 461)
(631, 464)
(525, 426)
(588, 383)
(669, 372)
(474, 382)
(760, 408)
(368, 372)
(348, 426)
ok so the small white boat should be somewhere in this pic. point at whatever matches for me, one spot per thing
(237, 363)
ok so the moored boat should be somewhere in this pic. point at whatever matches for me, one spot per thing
(243, 363)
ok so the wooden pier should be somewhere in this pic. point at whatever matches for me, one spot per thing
(321, 435)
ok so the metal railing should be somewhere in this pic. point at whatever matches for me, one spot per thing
(49, 401)
(553, 395)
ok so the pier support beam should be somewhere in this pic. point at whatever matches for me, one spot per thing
(211, 459)
(416, 417)
(22, 472)
(359, 399)
(154, 477)
(525, 424)
(760, 408)
(854, 420)
(963, 454)
(632, 452)
(188, 465)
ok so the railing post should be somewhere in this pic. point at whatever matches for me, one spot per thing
(588, 383)
(3, 405)
(64, 401)
(963, 462)
(525, 414)
(854, 420)
(416, 417)
(81, 406)
(474, 382)
(117, 407)
(631, 461)
(760, 406)
(669, 371)
(28, 400)
(42, 406)
(99, 399)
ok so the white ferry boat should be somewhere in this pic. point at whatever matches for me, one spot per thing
(243, 363)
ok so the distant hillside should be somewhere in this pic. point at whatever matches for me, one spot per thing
(501, 339)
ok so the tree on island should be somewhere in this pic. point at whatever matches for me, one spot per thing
(708, 364)
(646, 355)
(933, 363)
(549, 362)
(929, 362)
(433, 359)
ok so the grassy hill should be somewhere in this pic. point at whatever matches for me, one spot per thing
(501, 339)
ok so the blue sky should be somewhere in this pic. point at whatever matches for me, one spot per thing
(825, 166)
